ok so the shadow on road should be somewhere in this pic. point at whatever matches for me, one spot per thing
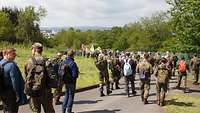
(86, 101)
(174, 102)
(101, 111)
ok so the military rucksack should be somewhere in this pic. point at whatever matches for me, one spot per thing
(195, 65)
(52, 66)
(163, 75)
(65, 73)
(2, 82)
(36, 79)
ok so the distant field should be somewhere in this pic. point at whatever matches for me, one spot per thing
(88, 71)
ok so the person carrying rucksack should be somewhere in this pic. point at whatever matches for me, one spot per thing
(11, 83)
(129, 66)
(102, 65)
(56, 82)
(182, 70)
(162, 74)
(68, 70)
(115, 67)
(36, 85)
(194, 63)
(144, 69)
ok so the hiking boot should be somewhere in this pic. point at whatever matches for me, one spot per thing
(117, 87)
(145, 101)
(58, 103)
(102, 94)
(178, 87)
(195, 83)
(134, 93)
(162, 104)
(109, 92)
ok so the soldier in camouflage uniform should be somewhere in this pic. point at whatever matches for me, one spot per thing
(162, 74)
(114, 66)
(46, 98)
(144, 67)
(194, 63)
(55, 61)
(102, 66)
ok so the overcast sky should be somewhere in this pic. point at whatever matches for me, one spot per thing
(91, 12)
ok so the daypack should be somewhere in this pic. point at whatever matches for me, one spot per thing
(35, 81)
(143, 72)
(52, 69)
(65, 73)
(195, 65)
(163, 75)
(182, 66)
(127, 68)
(2, 83)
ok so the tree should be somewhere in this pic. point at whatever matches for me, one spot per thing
(6, 27)
(28, 24)
(186, 21)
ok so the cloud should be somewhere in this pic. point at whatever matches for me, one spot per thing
(92, 12)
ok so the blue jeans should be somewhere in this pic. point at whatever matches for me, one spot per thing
(69, 96)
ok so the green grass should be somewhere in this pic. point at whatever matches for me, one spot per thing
(182, 103)
(88, 72)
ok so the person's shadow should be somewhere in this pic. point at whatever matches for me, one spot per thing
(86, 101)
(174, 102)
(101, 111)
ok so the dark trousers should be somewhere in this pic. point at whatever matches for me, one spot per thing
(181, 75)
(69, 96)
(9, 102)
(129, 79)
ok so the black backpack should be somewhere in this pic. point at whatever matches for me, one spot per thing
(52, 69)
(2, 83)
(65, 73)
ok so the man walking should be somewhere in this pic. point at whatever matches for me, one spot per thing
(144, 68)
(70, 76)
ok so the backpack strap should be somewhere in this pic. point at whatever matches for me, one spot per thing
(6, 63)
(34, 61)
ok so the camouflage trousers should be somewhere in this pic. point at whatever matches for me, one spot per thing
(115, 80)
(195, 74)
(46, 100)
(104, 80)
(161, 91)
(144, 87)
(58, 92)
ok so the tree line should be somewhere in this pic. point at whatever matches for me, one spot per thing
(176, 30)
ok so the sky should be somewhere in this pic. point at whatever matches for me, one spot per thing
(103, 13)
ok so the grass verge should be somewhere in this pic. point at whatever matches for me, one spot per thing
(182, 103)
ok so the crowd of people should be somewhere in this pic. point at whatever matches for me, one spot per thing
(161, 66)
(42, 74)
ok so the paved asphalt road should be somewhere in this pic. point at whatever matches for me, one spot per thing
(90, 102)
